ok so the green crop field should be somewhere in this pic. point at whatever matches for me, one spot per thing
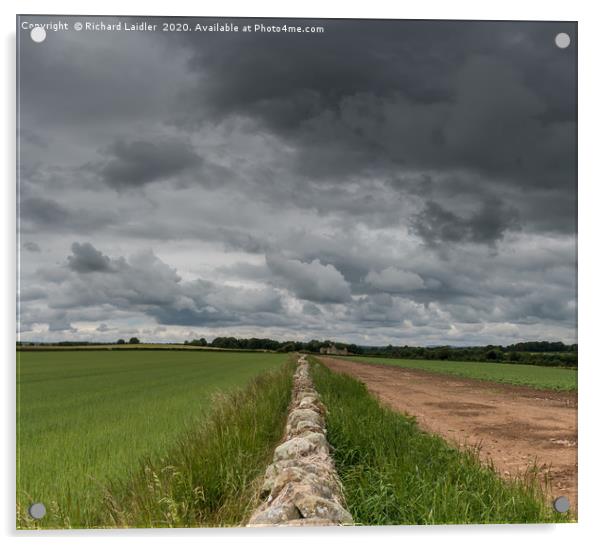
(555, 378)
(85, 419)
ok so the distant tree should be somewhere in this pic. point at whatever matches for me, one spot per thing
(313, 346)
(287, 347)
(120, 341)
(354, 349)
(198, 342)
(134, 340)
(225, 342)
(492, 355)
(443, 353)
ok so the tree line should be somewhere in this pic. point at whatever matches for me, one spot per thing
(552, 354)
(234, 343)
(533, 352)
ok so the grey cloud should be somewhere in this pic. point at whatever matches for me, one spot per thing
(32, 138)
(436, 225)
(91, 80)
(52, 275)
(87, 259)
(60, 323)
(246, 300)
(32, 293)
(31, 246)
(240, 240)
(148, 285)
(42, 213)
(312, 281)
(139, 162)
(311, 309)
(382, 310)
(395, 280)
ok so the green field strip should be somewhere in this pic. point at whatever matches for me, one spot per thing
(534, 376)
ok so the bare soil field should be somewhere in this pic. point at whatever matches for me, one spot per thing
(515, 426)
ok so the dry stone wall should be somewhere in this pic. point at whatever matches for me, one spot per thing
(301, 486)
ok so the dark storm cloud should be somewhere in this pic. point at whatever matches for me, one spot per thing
(436, 225)
(362, 98)
(287, 79)
(87, 259)
(365, 98)
(134, 164)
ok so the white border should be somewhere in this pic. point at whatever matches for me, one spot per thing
(590, 204)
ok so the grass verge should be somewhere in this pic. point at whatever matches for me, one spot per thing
(393, 473)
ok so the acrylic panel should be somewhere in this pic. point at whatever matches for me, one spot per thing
(295, 272)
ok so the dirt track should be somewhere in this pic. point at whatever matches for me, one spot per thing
(515, 426)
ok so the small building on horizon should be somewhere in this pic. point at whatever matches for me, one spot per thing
(332, 350)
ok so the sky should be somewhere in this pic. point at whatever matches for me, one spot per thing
(382, 182)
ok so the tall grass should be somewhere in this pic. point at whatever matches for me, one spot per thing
(211, 477)
(393, 473)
